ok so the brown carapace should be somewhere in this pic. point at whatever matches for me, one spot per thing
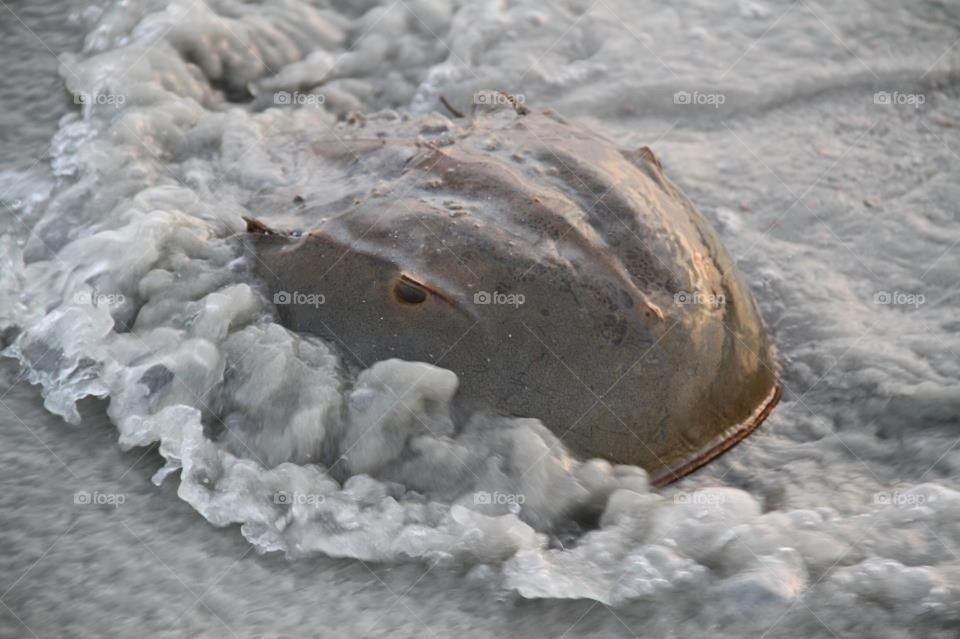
(559, 276)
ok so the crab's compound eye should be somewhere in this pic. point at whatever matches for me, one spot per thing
(409, 291)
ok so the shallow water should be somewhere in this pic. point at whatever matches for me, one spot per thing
(820, 141)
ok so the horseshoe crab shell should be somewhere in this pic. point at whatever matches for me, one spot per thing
(559, 276)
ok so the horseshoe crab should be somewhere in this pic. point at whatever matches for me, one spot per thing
(559, 276)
